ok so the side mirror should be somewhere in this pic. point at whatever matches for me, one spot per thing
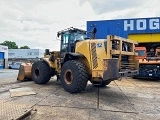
(58, 34)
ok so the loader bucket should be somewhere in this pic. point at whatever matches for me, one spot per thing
(24, 72)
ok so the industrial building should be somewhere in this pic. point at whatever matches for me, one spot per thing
(3, 57)
(18, 56)
(143, 30)
(25, 53)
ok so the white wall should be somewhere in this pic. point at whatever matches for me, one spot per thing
(25, 53)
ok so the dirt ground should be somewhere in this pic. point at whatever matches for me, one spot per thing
(128, 99)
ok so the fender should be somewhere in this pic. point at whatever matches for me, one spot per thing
(44, 60)
(52, 70)
(76, 56)
(72, 56)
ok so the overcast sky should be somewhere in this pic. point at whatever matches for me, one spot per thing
(36, 22)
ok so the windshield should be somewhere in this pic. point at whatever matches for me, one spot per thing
(78, 36)
(140, 52)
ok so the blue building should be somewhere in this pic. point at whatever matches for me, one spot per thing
(143, 30)
(3, 57)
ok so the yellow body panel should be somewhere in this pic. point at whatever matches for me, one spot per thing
(85, 50)
(98, 52)
(89, 52)
(102, 53)
(144, 38)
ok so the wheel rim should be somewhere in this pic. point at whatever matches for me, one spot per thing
(37, 72)
(68, 77)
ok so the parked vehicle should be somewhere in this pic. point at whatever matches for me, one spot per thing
(80, 60)
(149, 63)
(14, 65)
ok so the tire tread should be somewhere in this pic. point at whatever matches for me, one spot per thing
(80, 81)
(44, 72)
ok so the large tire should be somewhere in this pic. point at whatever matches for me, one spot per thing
(103, 84)
(74, 76)
(40, 72)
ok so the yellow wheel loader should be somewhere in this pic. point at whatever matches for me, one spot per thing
(83, 59)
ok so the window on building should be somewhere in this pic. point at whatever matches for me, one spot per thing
(30, 53)
(1, 62)
(10, 54)
(36, 53)
(33, 53)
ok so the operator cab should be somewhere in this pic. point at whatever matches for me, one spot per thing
(69, 37)
(141, 51)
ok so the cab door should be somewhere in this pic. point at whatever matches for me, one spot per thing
(64, 44)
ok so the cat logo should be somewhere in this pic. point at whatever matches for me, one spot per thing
(99, 45)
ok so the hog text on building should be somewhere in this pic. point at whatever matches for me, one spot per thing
(142, 24)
